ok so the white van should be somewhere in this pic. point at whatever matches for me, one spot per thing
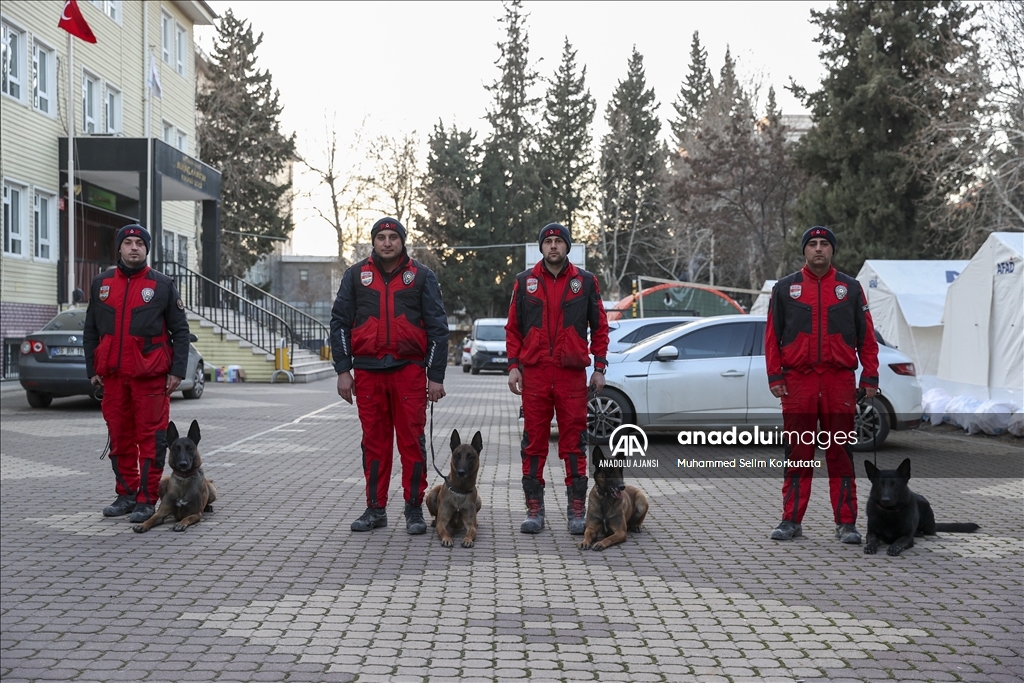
(487, 349)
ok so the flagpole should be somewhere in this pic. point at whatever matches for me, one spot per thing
(71, 174)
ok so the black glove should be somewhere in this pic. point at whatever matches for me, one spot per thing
(861, 393)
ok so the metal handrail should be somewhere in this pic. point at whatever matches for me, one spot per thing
(312, 334)
(230, 311)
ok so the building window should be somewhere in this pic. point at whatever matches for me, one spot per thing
(168, 247)
(166, 36)
(168, 134)
(14, 219)
(114, 115)
(181, 140)
(304, 275)
(181, 49)
(45, 222)
(90, 103)
(112, 8)
(44, 78)
(182, 251)
(12, 54)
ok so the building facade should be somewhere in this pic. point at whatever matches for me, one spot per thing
(133, 118)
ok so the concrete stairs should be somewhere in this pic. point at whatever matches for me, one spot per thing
(222, 348)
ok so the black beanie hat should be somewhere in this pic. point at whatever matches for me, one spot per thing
(388, 223)
(818, 231)
(555, 230)
(134, 230)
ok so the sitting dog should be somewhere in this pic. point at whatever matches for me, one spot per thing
(896, 514)
(455, 503)
(186, 493)
(612, 508)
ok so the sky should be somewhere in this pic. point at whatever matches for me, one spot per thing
(396, 67)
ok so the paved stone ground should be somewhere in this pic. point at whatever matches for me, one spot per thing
(274, 586)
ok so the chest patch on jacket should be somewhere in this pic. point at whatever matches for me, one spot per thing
(575, 285)
(795, 291)
(407, 277)
(841, 291)
(147, 294)
(366, 277)
(104, 292)
(531, 284)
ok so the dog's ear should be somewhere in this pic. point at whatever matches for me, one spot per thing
(193, 432)
(456, 441)
(904, 468)
(478, 443)
(871, 470)
(596, 456)
(172, 433)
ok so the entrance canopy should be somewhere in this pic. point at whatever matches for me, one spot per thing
(120, 176)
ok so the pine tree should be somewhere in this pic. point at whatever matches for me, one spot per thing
(632, 178)
(872, 104)
(694, 93)
(509, 185)
(565, 159)
(240, 133)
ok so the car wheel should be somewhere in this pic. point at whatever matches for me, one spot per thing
(475, 371)
(198, 383)
(871, 421)
(605, 412)
(465, 368)
(38, 399)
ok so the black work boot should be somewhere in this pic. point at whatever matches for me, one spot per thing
(576, 510)
(414, 524)
(371, 519)
(143, 511)
(534, 522)
(121, 506)
(847, 533)
(787, 531)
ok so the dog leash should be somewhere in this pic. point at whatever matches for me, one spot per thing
(433, 456)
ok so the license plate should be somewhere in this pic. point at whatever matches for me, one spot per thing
(67, 351)
(501, 360)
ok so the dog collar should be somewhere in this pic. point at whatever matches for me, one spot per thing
(448, 485)
(187, 475)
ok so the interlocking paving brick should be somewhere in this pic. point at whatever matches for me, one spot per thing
(274, 586)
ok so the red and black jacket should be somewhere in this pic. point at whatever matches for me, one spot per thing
(135, 325)
(549, 318)
(819, 322)
(385, 321)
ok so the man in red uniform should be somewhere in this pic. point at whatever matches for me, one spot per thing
(553, 305)
(136, 348)
(389, 323)
(818, 324)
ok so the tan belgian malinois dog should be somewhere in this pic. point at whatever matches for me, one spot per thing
(612, 508)
(186, 493)
(455, 503)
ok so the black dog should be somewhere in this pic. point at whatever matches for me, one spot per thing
(187, 493)
(896, 514)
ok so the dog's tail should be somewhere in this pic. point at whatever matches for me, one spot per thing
(957, 527)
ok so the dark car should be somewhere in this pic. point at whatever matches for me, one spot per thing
(52, 362)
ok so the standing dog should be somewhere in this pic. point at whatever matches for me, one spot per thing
(612, 508)
(454, 503)
(186, 493)
(896, 514)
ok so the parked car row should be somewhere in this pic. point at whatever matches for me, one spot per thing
(52, 363)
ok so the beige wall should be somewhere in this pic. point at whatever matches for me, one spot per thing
(28, 138)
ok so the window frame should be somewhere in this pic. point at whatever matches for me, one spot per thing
(50, 74)
(7, 78)
(118, 122)
(50, 241)
(166, 36)
(9, 187)
(181, 45)
(180, 254)
(114, 9)
(97, 102)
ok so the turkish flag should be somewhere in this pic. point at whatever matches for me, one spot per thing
(72, 21)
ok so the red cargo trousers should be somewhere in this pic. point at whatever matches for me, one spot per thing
(136, 410)
(393, 404)
(552, 390)
(826, 396)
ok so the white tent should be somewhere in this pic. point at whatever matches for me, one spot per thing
(760, 305)
(983, 336)
(907, 299)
